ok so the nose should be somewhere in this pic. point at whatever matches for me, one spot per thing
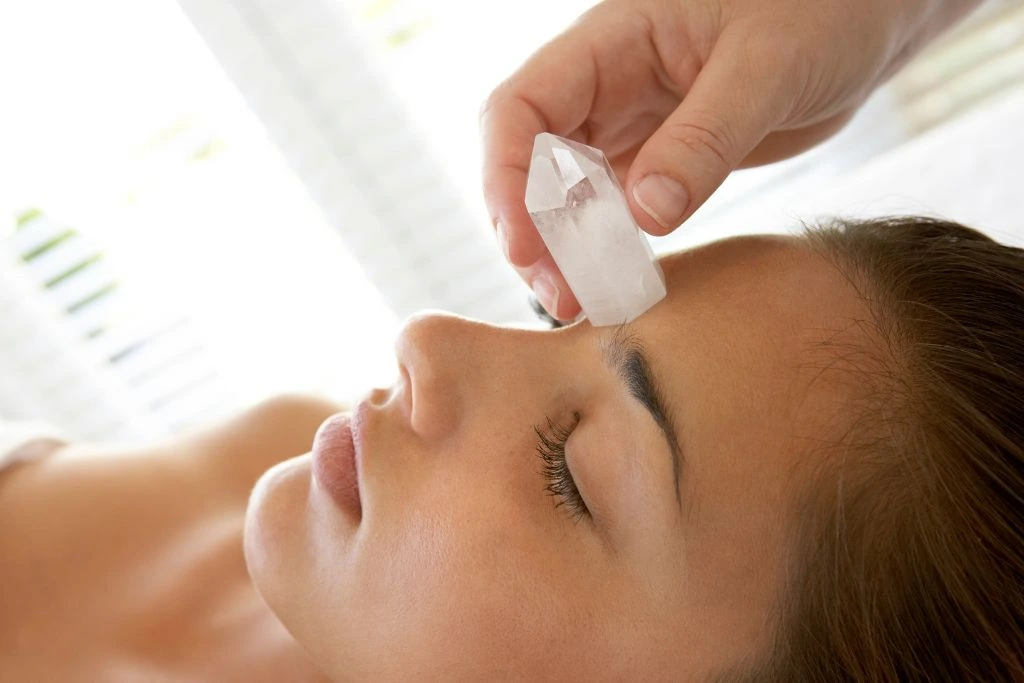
(437, 358)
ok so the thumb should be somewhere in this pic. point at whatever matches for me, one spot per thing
(729, 109)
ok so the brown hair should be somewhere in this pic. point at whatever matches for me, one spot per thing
(911, 560)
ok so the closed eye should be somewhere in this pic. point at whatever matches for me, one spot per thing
(551, 442)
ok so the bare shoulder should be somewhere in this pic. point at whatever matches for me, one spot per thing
(245, 446)
(287, 422)
(218, 464)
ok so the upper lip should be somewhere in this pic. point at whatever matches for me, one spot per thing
(358, 427)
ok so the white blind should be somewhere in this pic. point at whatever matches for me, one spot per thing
(64, 359)
(308, 74)
(229, 286)
(975, 62)
(239, 290)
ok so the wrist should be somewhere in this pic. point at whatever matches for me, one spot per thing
(943, 14)
(919, 22)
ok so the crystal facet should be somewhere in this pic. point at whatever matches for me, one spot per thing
(579, 209)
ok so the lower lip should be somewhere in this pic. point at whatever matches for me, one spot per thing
(334, 462)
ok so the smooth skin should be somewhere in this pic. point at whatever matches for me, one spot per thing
(128, 563)
(124, 563)
(679, 93)
(462, 568)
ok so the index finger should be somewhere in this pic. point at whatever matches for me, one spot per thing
(508, 127)
(553, 92)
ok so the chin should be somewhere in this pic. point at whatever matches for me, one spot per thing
(277, 531)
(293, 531)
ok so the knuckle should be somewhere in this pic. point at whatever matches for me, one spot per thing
(706, 138)
(485, 107)
(493, 100)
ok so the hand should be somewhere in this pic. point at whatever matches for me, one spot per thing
(678, 93)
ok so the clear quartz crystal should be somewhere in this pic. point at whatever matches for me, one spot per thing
(581, 213)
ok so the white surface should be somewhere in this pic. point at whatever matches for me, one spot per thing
(968, 170)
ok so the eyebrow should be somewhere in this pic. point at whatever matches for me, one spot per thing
(625, 355)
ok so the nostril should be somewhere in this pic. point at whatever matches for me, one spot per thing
(405, 392)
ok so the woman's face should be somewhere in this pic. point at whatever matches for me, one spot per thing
(462, 566)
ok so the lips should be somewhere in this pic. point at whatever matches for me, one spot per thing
(336, 456)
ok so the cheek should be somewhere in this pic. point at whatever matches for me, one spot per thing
(466, 572)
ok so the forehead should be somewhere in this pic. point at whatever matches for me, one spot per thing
(743, 349)
(753, 321)
(744, 287)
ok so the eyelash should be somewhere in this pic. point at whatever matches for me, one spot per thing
(551, 449)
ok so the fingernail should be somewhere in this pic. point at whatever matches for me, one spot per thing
(547, 294)
(663, 198)
(499, 230)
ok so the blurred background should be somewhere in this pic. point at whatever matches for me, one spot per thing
(207, 202)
